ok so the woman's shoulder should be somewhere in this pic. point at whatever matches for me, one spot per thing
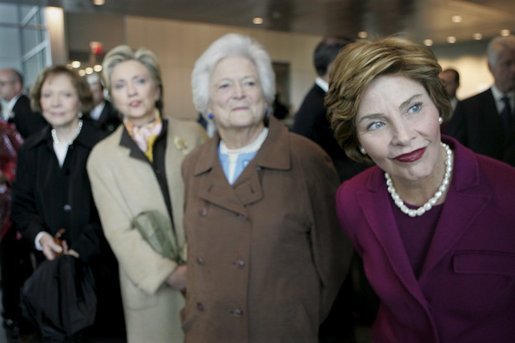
(185, 126)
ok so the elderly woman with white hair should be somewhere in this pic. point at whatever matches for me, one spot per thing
(265, 255)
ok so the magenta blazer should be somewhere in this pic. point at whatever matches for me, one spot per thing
(466, 290)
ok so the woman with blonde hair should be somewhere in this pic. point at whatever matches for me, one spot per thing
(135, 174)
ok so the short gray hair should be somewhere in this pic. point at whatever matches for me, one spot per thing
(498, 45)
(231, 45)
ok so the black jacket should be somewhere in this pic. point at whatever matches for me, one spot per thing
(477, 124)
(48, 197)
(26, 121)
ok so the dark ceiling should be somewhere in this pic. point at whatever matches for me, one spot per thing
(419, 19)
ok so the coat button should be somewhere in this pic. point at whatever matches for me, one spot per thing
(67, 207)
(240, 264)
(237, 312)
(200, 260)
(202, 211)
(200, 307)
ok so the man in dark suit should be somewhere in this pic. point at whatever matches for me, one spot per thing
(311, 121)
(485, 122)
(16, 105)
(311, 118)
(15, 253)
(103, 115)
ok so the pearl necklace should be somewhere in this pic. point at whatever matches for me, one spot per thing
(434, 199)
(57, 141)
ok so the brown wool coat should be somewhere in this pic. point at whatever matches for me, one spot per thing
(266, 255)
(123, 187)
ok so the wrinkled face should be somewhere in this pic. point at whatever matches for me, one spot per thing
(397, 125)
(504, 71)
(449, 82)
(134, 92)
(59, 101)
(235, 96)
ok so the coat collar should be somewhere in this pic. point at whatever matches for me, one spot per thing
(466, 199)
(273, 154)
(88, 136)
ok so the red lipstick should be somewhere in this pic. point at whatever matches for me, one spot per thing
(411, 156)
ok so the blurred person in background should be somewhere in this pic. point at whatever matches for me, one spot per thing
(485, 122)
(103, 114)
(451, 81)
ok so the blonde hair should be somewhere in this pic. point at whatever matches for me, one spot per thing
(124, 53)
(359, 63)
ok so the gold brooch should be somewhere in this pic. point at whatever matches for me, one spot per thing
(180, 144)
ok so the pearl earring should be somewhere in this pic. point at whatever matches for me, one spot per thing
(440, 120)
(362, 150)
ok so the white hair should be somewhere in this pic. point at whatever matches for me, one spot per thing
(231, 45)
(498, 45)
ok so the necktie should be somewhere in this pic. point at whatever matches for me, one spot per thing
(506, 117)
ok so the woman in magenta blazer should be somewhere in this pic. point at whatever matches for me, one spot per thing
(433, 221)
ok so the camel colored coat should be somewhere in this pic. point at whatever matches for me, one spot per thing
(124, 186)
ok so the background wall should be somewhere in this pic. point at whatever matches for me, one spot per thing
(178, 44)
(469, 59)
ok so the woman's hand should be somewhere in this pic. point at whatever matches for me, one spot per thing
(177, 279)
(70, 252)
(51, 249)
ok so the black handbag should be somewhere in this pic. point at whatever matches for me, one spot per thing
(60, 297)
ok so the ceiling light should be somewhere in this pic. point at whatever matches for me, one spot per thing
(477, 36)
(505, 33)
(82, 72)
(257, 20)
(97, 68)
(75, 64)
(98, 2)
(89, 70)
(456, 19)
(451, 39)
(428, 42)
(362, 34)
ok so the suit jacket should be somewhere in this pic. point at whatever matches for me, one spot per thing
(123, 187)
(266, 258)
(466, 289)
(311, 122)
(109, 119)
(26, 121)
(476, 123)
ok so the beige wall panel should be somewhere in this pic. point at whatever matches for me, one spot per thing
(178, 45)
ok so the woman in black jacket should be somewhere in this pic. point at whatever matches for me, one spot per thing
(52, 190)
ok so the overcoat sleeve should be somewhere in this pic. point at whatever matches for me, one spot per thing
(330, 247)
(24, 210)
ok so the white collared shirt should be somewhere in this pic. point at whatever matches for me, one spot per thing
(498, 95)
(322, 84)
(7, 108)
